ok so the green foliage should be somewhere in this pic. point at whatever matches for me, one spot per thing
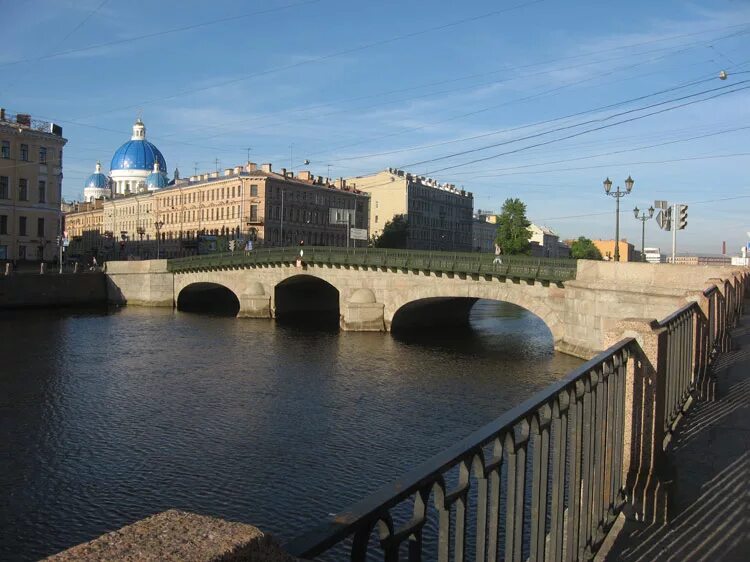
(394, 234)
(584, 249)
(513, 228)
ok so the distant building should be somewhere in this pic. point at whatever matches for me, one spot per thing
(31, 171)
(439, 215)
(484, 231)
(244, 202)
(546, 244)
(607, 249)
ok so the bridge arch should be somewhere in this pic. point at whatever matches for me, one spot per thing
(449, 305)
(208, 298)
(307, 297)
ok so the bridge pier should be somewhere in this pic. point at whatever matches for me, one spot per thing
(254, 303)
(361, 313)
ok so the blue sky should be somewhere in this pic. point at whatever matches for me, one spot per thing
(362, 86)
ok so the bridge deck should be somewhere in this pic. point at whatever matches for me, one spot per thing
(711, 454)
(523, 267)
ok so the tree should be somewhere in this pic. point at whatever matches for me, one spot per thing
(584, 249)
(395, 233)
(513, 228)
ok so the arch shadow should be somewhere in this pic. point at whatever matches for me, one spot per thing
(306, 301)
(208, 298)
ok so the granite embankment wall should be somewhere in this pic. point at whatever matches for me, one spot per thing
(51, 290)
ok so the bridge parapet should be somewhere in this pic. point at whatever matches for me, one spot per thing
(518, 267)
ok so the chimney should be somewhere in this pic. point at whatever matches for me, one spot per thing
(228, 171)
(283, 172)
(266, 168)
(304, 175)
(252, 167)
(2, 114)
(214, 174)
(320, 180)
(238, 170)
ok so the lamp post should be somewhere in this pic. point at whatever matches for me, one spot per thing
(157, 225)
(617, 194)
(643, 217)
(141, 231)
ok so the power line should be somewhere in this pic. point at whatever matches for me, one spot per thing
(580, 133)
(582, 123)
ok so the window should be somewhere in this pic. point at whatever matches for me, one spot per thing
(253, 191)
(23, 189)
(25, 152)
(42, 191)
(22, 226)
(3, 252)
(6, 149)
(253, 212)
(40, 227)
(4, 187)
(376, 219)
(42, 154)
(3, 224)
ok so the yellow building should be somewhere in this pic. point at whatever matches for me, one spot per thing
(439, 215)
(31, 154)
(244, 202)
(607, 249)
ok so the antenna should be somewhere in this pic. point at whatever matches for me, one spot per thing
(216, 161)
(249, 148)
(195, 168)
(329, 172)
(291, 159)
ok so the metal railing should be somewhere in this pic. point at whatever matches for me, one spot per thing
(547, 480)
(543, 269)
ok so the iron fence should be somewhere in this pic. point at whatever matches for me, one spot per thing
(543, 269)
(545, 479)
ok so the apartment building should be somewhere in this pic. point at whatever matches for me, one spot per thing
(31, 172)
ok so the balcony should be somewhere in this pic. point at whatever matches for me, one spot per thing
(255, 220)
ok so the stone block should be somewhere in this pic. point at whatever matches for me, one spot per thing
(179, 536)
(363, 317)
(254, 307)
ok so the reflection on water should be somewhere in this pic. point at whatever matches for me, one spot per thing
(107, 418)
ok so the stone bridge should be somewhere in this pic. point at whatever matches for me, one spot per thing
(578, 301)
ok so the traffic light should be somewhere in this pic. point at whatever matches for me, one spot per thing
(682, 214)
(232, 244)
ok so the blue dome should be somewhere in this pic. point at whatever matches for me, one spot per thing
(97, 180)
(137, 155)
(156, 180)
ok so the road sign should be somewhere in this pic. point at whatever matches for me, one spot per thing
(664, 219)
(341, 216)
(358, 233)
(660, 204)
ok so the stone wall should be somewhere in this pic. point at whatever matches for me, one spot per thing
(143, 283)
(52, 290)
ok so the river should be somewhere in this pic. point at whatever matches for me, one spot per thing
(106, 418)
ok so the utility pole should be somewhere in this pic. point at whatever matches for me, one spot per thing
(675, 226)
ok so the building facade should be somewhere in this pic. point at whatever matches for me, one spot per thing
(607, 249)
(439, 215)
(245, 202)
(31, 172)
(546, 244)
(484, 231)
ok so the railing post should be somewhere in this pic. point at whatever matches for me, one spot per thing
(647, 471)
(704, 384)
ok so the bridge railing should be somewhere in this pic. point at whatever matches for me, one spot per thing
(546, 480)
(543, 269)
(540, 481)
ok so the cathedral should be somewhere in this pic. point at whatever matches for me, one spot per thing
(136, 167)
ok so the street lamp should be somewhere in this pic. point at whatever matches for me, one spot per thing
(643, 217)
(617, 194)
(141, 231)
(157, 225)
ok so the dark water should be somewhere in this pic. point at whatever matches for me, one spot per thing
(107, 418)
